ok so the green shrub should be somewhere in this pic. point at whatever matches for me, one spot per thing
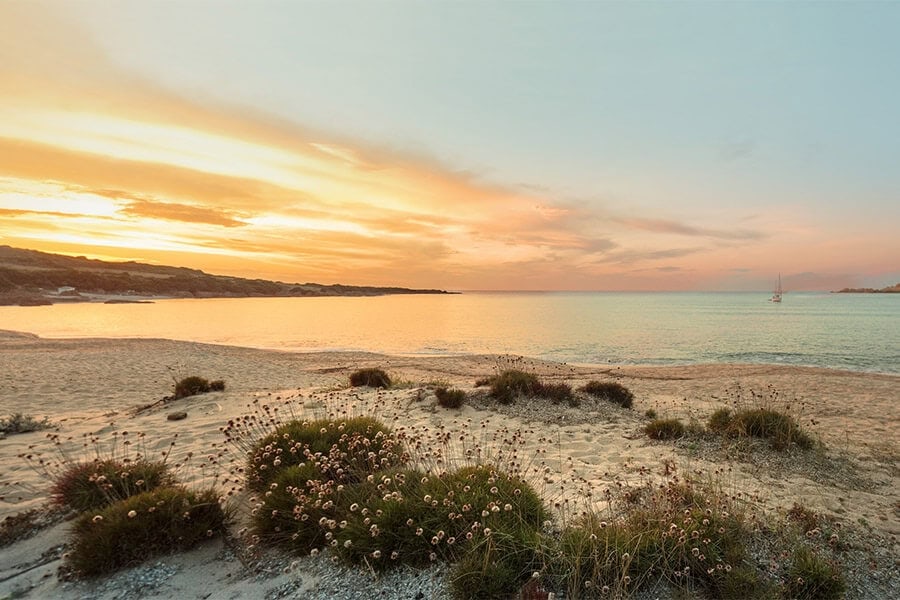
(591, 555)
(483, 488)
(610, 390)
(688, 536)
(292, 494)
(450, 398)
(558, 393)
(371, 378)
(650, 414)
(19, 423)
(85, 486)
(149, 524)
(720, 421)
(356, 447)
(191, 386)
(386, 522)
(497, 567)
(811, 577)
(413, 519)
(743, 583)
(780, 429)
(508, 385)
(664, 429)
(217, 386)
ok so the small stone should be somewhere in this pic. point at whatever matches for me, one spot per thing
(177, 415)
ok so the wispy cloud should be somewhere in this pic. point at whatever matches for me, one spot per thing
(93, 157)
(179, 212)
(677, 228)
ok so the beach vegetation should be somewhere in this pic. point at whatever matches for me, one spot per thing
(720, 420)
(22, 423)
(217, 385)
(498, 566)
(687, 534)
(349, 450)
(371, 377)
(650, 413)
(485, 381)
(557, 393)
(450, 397)
(149, 524)
(779, 428)
(391, 513)
(193, 385)
(805, 518)
(611, 391)
(501, 524)
(512, 383)
(664, 429)
(809, 577)
(94, 484)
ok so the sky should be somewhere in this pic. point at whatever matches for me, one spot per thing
(459, 145)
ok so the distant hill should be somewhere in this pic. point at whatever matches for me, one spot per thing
(33, 277)
(891, 289)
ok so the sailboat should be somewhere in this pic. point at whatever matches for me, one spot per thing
(776, 296)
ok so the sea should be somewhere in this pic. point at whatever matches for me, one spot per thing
(859, 332)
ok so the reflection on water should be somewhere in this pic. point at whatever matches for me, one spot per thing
(860, 332)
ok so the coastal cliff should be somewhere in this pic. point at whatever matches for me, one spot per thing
(29, 277)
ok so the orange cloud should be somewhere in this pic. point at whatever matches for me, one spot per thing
(179, 212)
(94, 160)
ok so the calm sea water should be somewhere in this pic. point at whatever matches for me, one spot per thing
(849, 331)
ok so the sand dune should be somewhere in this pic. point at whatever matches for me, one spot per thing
(94, 386)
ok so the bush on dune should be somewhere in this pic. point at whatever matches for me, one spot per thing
(148, 524)
(779, 428)
(85, 486)
(389, 514)
(371, 377)
(611, 391)
(508, 385)
(193, 385)
(21, 423)
(363, 445)
(450, 398)
(664, 429)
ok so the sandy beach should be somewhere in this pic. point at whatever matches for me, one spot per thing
(93, 386)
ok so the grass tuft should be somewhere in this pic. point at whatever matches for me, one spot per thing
(811, 577)
(193, 385)
(691, 536)
(146, 525)
(611, 391)
(349, 450)
(512, 383)
(91, 485)
(557, 393)
(664, 429)
(450, 398)
(370, 377)
(780, 429)
(21, 423)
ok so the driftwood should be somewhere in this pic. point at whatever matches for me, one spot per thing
(145, 407)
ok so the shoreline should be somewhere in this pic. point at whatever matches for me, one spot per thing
(92, 385)
(11, 333)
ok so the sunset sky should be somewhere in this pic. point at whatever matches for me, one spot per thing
(459, 145)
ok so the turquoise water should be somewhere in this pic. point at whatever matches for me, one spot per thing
(848, 331)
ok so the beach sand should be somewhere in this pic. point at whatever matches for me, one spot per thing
(93, 386)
